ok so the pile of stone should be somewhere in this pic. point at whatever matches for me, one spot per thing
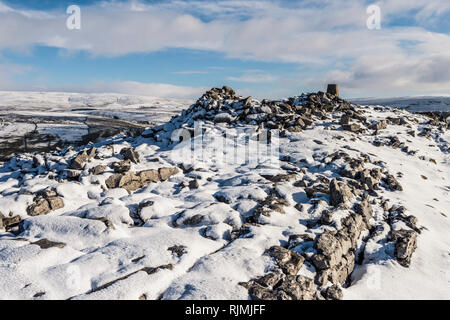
(294, 114)
(334, 252)
(8, 222)
(286, 285)
(44, 202)
(132, 181)
(79, 162)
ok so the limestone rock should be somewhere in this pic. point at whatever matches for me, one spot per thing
(333, 292)
(122, 166)
(406, 244)
(382, 124)
(97, 170)
(46, 244)
(193, 184)
(80, 160)
(130, 154)
(270, 279)
(148, 176)
(166, 173)
(298, 287)
(365, 210)
(288, 260)
(55, 203)
(393, 183)
(351, 127)
(339, 193)
(39, 207)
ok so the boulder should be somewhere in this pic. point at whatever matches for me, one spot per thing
(298, 287)
(148, 176)
(166, 173)
(177, 250)
(46, 244)
(121, 180)
(345, 119)
(392, 183)
(270, 279)
(364, 208)
(351, 127)
(382, 124)
(247, 101)
(79, 162)
(39, 207)
(258, 292)
(122, 166)
(289, 261)
(223, 118)
(339, 193)
(55, 203)
(193, 184)
(130, 154)
(97, 170)
(194, 220)
(406, 244)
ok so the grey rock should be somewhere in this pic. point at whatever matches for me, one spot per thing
(97, 170)
(166, 173)
(79, 162)
(365, 210)
(194, 220)
(351, 127)
(193, 184)
(382, 124)
(406, 244)
(270, 279)
(122, 166)
(130, 154)
(39, 207)
(148, 176)
(55, 203)
(178, 250)
(288, 260)
(298, 287)
(339, 193)
(46, 244)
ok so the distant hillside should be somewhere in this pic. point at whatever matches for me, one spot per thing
(414, 104)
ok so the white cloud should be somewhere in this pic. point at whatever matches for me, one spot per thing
(160, 90)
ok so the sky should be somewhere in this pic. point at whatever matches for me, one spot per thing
(266, 49)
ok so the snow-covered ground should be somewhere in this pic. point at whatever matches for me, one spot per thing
(413, 104)
(203, 230)
(40, 121)
(73, 105)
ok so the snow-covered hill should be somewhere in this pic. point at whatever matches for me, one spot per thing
(43, 121)
(413, 104)
(310, 197)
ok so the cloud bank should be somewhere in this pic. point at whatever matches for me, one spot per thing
(328, 37)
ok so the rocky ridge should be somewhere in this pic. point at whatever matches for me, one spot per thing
(343, 213)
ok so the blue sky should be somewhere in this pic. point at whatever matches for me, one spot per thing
(179, 48)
